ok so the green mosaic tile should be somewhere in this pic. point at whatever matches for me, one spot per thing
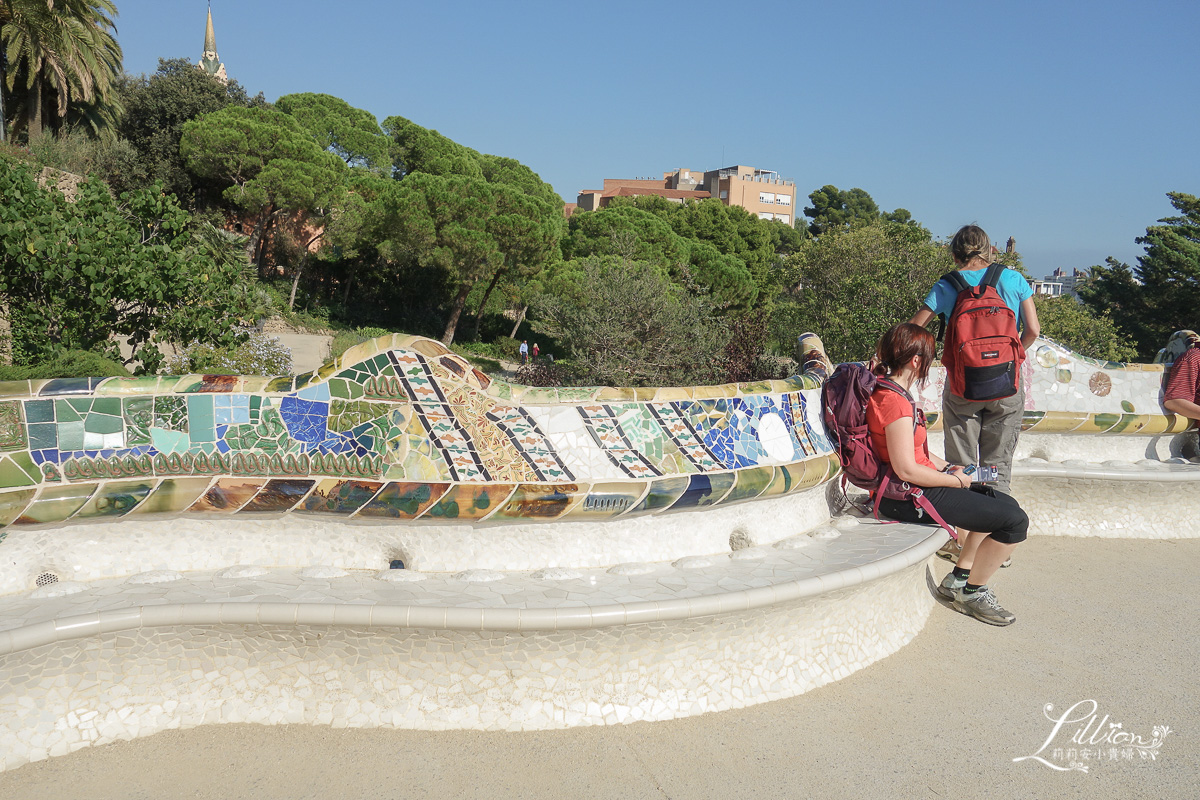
(170, 413)
(103, 423)
(282, 384)
(65, 411)
(70, 435)
(12, 431)
(107, 405)
(39, 411)
(346, 415)
(116, 498)
(12, 504)
(56, 503)
(201, 426)
(145, 385)
(12, 475)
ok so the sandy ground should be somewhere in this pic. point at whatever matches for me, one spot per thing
(1102, 620)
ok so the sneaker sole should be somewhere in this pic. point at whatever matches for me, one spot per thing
(999, 623)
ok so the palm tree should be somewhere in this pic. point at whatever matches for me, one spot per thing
(60, 54)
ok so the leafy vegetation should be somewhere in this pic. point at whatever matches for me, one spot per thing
(66, 364)
(255, 354)
(1074, 325)
(853, 285)
(1161, 294)
(73, 274)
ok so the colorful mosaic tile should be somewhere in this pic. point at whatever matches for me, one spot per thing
(402, 429)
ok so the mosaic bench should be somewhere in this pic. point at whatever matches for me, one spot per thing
(398, 450)
(1098, 456)
(86, 664)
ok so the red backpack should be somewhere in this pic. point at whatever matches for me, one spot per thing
(844, 398)
(983, 352)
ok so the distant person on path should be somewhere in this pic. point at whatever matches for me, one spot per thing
(904, 356)
(1181, 395)
(978, 432)
(524, 351)
(535, 351)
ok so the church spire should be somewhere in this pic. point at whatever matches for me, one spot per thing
(211, 62)
(210, 37)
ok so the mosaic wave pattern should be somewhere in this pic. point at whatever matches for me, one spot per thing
(1070, 393)
(399, 429)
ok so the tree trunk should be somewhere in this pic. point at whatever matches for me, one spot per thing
(520, 319)
(456, 312)
(295, 283)
(262, 240)
(483, 303)
(33, 114)
(3, 119)
(349, 283)
(253, 246)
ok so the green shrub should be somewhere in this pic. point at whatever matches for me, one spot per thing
(67, 364)
(258, 354)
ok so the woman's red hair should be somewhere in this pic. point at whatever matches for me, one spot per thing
(898, 346)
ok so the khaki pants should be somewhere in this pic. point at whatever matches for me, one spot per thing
(983, 433)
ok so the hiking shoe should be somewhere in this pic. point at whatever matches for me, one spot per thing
(983, 606)
(950, 585)
(950, 551)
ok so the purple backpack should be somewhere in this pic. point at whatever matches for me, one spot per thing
(844, 408)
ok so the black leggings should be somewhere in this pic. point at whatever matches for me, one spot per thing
(981, 509)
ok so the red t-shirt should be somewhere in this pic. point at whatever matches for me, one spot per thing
(885, 407)
(1184, 383)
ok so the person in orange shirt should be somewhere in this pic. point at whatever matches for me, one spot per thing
(904, 356)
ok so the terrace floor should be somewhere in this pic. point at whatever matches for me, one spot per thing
(1098, 619)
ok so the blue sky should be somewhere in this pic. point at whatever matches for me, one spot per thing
(1062, 124)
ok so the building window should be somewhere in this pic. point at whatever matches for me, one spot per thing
(765, 215)
(784, 218)
(783, 199)
(724, 195)
(766, 197)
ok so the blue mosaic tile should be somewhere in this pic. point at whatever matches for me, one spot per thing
(306, 420)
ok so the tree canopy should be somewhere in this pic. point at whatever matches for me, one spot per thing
(351, 133)
(1160, 295)
(156, 109)
(60, 63)
(73, 273)
(835, 210)
(267, 162)
(852, 285)
(626, 324)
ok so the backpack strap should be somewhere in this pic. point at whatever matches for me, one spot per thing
(959, 285)
(919, 499)
(992, 276)
(888, 383)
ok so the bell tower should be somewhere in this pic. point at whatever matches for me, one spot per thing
(211, 62)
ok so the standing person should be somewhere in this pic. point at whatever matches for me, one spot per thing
(982, 432)
(1181, 395)
(904, 356)
(524, 351)
(535, 351)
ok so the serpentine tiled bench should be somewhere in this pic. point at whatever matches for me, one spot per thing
(1098, 456)
(114, 659)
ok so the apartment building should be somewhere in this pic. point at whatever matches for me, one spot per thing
(761, 192)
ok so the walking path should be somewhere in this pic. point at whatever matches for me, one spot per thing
(1098, 619)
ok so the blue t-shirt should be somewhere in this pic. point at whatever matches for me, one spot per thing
(1013, 289)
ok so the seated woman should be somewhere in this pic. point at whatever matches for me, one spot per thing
(904, 356)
